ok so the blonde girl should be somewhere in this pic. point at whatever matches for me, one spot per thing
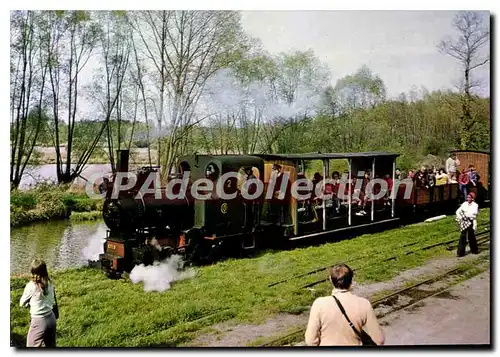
(39, 294)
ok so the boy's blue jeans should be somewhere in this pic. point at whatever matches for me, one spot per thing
(463, 189)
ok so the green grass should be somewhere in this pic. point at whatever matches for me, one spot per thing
(85, 216)
(48, 202)
(98, 312)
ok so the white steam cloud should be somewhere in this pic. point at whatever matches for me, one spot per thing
(224, 95)
(95, 244)
(160, 276)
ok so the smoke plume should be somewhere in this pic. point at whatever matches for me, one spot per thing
(160, 276)
(95, 244)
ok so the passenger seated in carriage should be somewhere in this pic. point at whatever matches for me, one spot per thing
(453, 178)
(317, 178)
(332, 190)
(280, 207)
(390, 183)
(363, 197)
(441, 177)
(306, 203)
(421, 178)
(473, 176)
(431, 179)
(336, 178)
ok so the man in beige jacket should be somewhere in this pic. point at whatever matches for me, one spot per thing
(328, 326)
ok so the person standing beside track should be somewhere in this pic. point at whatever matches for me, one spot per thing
(39, 294)
(466, 217)
(327, 324)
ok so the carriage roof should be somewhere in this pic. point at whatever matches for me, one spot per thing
(329, 156)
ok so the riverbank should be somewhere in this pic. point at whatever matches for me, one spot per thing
(140, 156)
(99, 312)
(51, 202)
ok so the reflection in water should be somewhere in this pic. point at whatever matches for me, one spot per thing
(61, 244)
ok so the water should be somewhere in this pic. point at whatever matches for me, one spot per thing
(48, 173)
(62, 244)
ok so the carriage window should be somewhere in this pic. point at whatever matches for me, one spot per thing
(184, 166)
(212, 172)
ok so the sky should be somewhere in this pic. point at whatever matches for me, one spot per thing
(399, 46)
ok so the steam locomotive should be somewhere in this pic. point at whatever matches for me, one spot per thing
(148, 222)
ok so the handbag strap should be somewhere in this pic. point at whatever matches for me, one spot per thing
(347, 318)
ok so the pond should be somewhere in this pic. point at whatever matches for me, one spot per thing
(48, 173)
(62, 244)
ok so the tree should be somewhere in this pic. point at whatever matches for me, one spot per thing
(299, 74)
(28, 83)
(114, 42)
(69, 40)
(472, 36)
(185, 49)
(348, 101)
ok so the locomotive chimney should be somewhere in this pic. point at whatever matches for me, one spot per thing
(122, 162)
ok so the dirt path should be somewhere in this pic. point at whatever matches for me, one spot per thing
(459, 316)
(229, 334)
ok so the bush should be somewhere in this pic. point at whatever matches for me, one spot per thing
(25, 200)
(49, 201)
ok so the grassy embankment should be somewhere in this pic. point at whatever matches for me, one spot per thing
(99, 312)
(46, 202)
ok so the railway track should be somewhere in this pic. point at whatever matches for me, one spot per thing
(391, 301)
(480, 236)
(366, 256)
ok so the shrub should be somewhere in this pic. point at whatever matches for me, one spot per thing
(25, 200)
(48, 201)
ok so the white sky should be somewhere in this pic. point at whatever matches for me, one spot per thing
(399, 46)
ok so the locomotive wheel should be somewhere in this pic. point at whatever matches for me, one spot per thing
(197, 247)
(215, 252)
(197, 253)
(148, 257)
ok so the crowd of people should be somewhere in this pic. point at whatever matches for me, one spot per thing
(467, 179)
(424, 178)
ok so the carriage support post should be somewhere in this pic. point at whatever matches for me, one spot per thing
(349, 193)
(325, 175)
(393, 194)
(373, 202)
(296, 210)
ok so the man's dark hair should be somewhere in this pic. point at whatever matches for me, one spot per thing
(341, 276)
